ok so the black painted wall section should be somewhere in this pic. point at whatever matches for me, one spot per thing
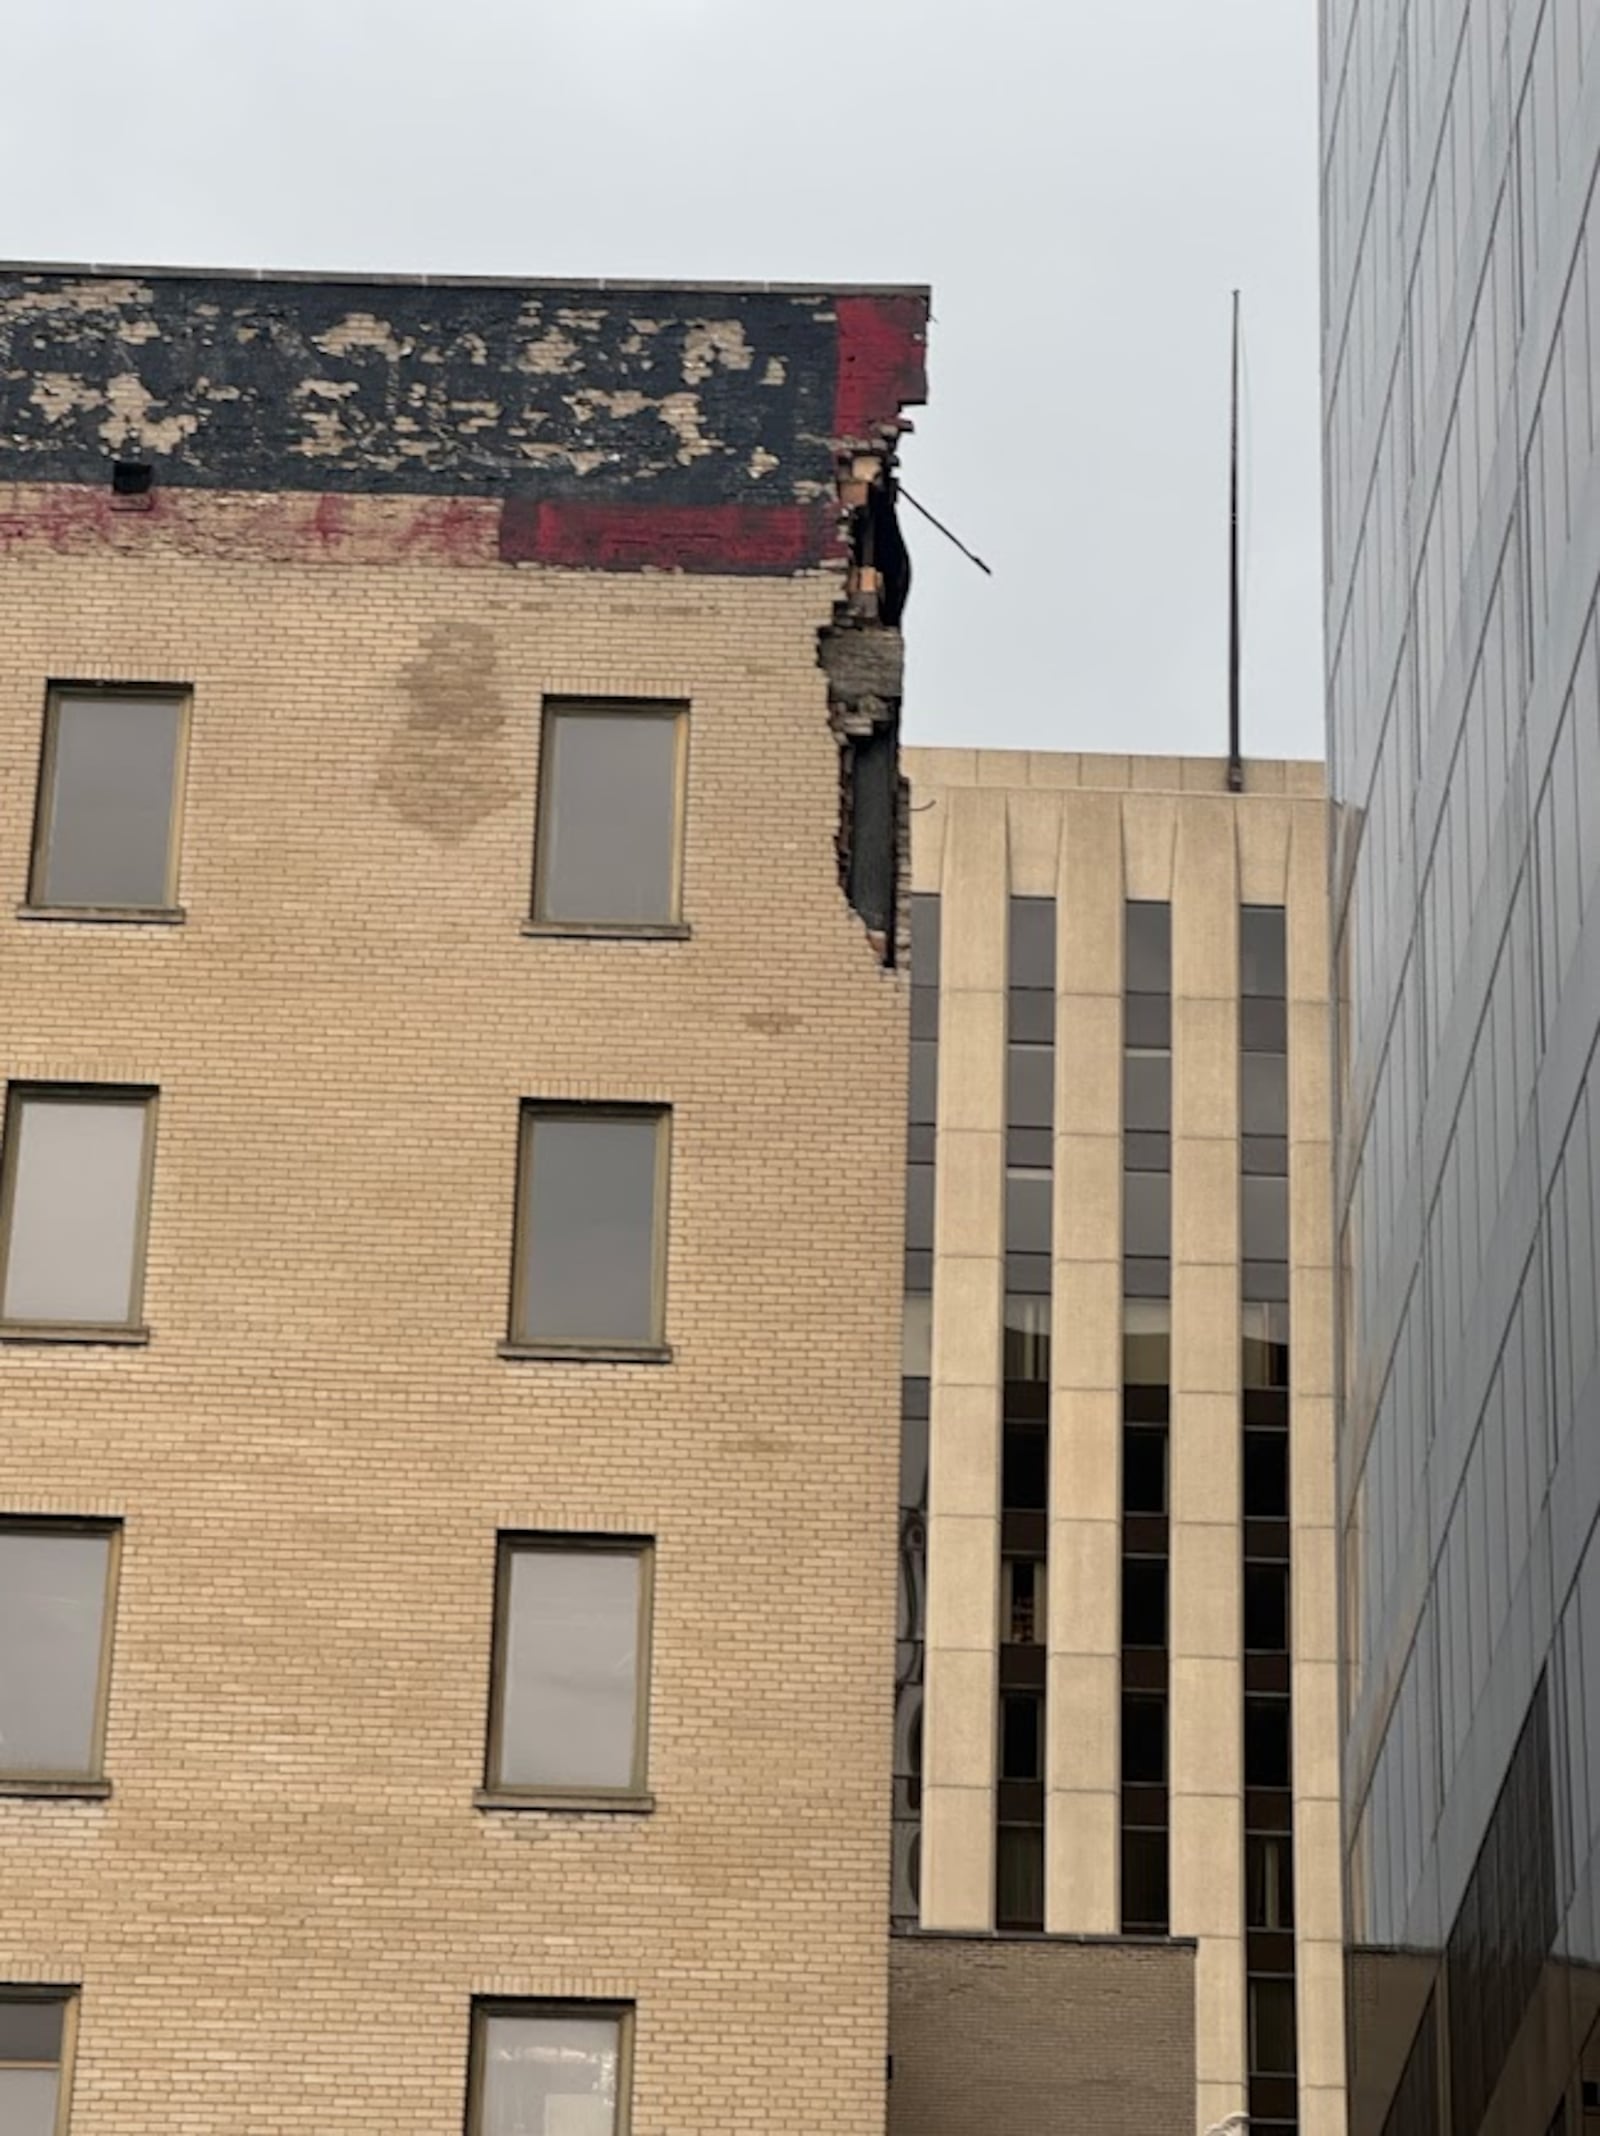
(662, 396)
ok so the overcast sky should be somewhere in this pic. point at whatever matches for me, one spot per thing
(1082, 182)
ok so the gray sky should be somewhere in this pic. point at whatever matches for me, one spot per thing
(1082, 181)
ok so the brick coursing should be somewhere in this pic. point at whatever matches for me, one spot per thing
(1040, 2036)
(281, 1915)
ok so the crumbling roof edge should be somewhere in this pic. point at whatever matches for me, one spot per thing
(355, 279)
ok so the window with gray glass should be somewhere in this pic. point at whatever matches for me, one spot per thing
(35, 2055)
(589, 1265)
(74, 1204)
(106, 827)
(1269, 1880)
(610, 831)
(57, 1583)
(572, 1666)
(539, 2068)
(1272, 2028)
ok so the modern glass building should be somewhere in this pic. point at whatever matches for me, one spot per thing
(1461, 303)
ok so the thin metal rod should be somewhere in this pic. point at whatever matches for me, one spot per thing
(1235, 760)
(902, 491)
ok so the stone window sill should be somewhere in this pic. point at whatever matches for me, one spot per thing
(124, 1338)
(108, 915)
(516, 1799)
(599, 1353)
(55, 1790)
(609, 930)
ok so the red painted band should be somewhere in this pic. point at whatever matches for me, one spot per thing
(733, 539)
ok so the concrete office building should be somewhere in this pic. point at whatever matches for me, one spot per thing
(450, 1204)
(1461, 273)
(1116, 1817)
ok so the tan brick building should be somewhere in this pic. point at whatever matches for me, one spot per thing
(1117, 1718)
(450, 1295)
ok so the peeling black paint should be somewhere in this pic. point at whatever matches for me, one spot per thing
(674, 397)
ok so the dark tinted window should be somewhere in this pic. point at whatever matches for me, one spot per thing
(1147, 1213)
(923, 1099)
(919, 1208)
(1147, 1090)
(1144, 1740)
(1032, 1148)
(31, 2039)
(1031, 1018)
(1021, 1737)
(1030, 1079)
(1025, 1469)
(1028, 1212)
(1022, 1601)
(1266, 1742)
(1266, 1475)
(1265, 1203)
(1265, 1356)
(1031, 955)
(925, 930)
(1263, 1094)
(1144, 1602)
(608, 814)
(1144, 1471)
(1261, 950)
(1147, 944)
(30, 2029)
(1272, 2027)
(1144, 1882)
(1269, 1880)
(1263, 1026)
(1027, 1338)
(1143, 1151)
(1266, 1609)
(1019, 1876)
(1147, 1021)
(1146, 1342)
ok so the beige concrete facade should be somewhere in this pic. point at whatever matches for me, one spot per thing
(1091, 832)
(278, 1920)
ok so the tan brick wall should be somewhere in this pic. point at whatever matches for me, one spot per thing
(1040, 2037)
(279, 1918)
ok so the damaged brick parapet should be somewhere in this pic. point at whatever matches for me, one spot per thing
(618, 427)
(731, 430)
(863, 655)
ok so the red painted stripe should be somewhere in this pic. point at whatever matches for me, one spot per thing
(734, 539)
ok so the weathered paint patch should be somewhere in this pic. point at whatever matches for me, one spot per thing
(72, 519)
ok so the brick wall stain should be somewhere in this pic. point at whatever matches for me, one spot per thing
(448, 763)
